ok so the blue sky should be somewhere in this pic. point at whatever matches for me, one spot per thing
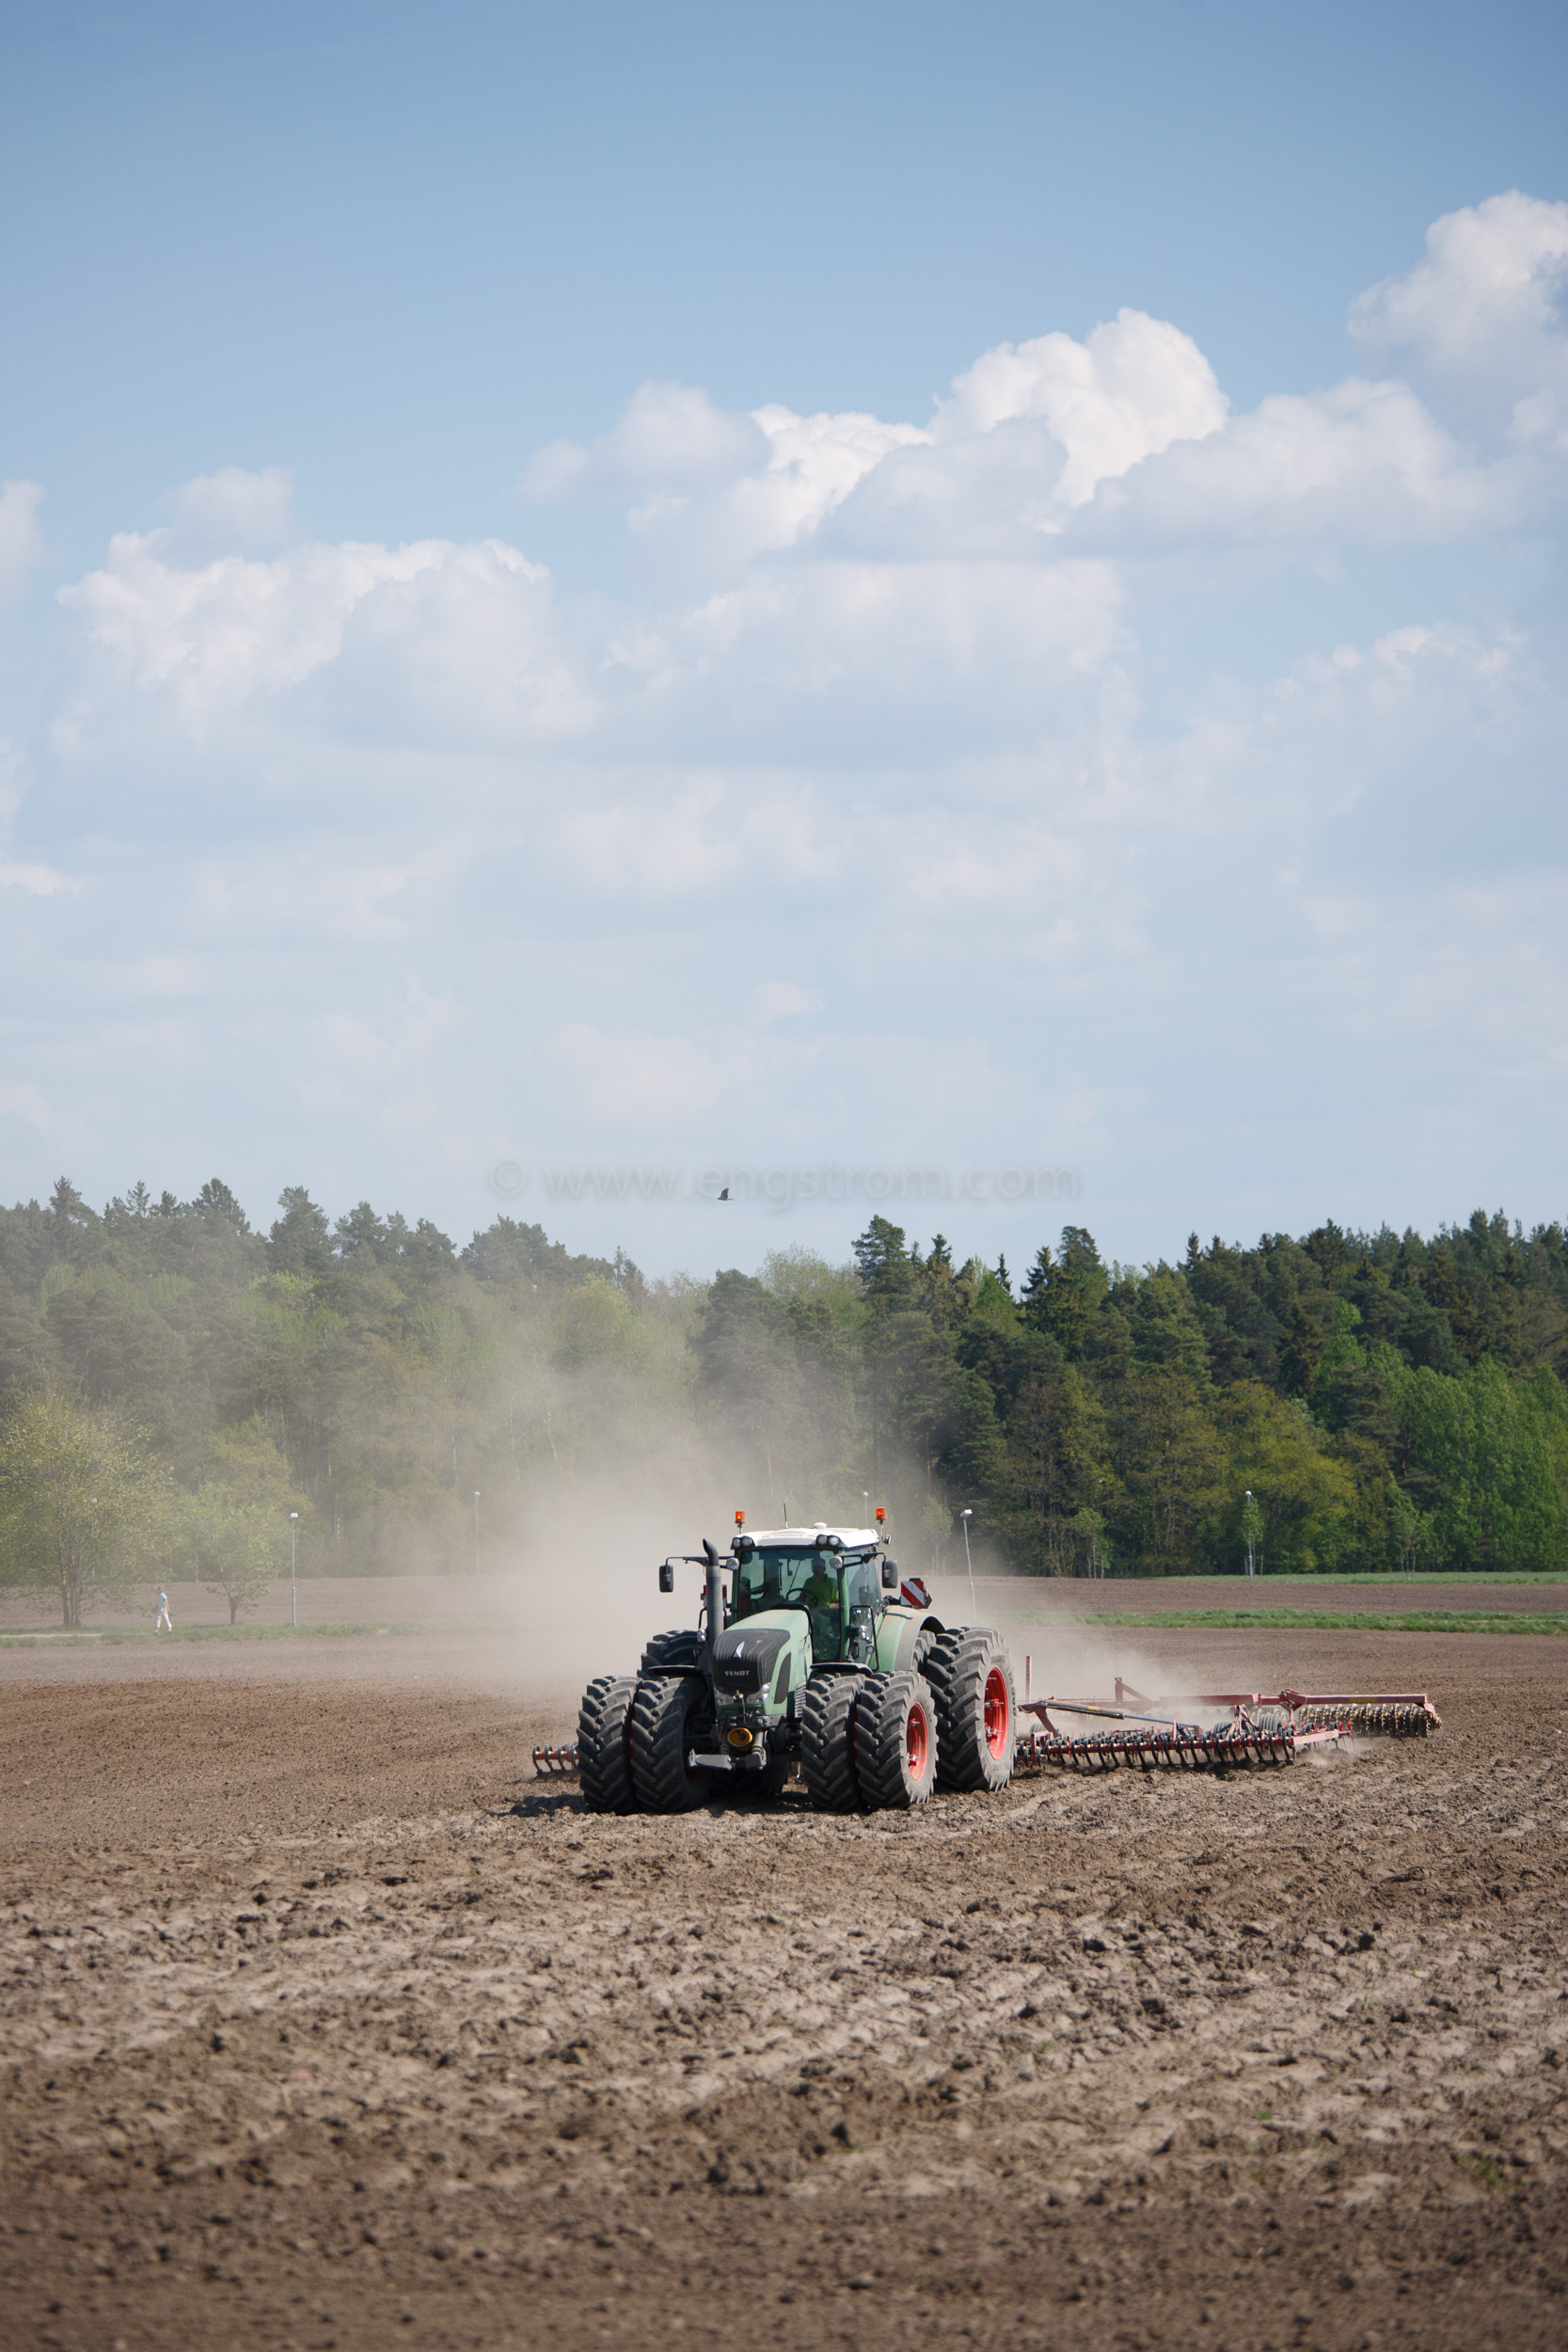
(683, 589)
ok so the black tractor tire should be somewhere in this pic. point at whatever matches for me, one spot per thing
(680, 1652)
(896, 1740)
(828, 1741)
(977, 1709)
(604, 1745)
(924, 1642)
(664, 1716)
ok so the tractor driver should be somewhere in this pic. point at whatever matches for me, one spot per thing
(821, 1597)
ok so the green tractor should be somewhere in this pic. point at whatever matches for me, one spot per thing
(819, 1657)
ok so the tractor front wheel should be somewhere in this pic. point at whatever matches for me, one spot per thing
(680, 1652)
(604, 1745)
(664, 1718)
(971, 1683)
(828, 1742)
(896, 1740)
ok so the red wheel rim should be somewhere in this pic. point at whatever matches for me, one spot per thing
(916, 1743)
(999, 1711)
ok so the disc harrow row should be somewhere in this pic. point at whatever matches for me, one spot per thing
(1261, 1730)
(1372, 1719)
(1188, 1749)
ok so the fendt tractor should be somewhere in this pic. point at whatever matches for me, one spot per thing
(820, 1656)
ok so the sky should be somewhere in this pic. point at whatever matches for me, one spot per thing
(953, 611)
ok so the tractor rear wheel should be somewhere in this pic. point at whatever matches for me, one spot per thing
(896, 1740)
(664, 1717)
(977, 1709)
(828, 1741)
(680, 1651)
(604, 1745)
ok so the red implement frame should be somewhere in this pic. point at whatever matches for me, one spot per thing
(1291, 1722)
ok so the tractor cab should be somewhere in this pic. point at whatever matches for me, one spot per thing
(832, 1574)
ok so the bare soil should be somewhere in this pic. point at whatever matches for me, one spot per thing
(325, 2025)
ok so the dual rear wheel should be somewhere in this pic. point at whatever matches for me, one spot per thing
(635, 1733)
(633, 1739)
(887, 1739)
(868, 1740)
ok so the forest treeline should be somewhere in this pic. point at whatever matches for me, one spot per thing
(1347, 1401)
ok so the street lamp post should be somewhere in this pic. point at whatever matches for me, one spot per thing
(476, 1531)
(294, 1583)
(966, 1517)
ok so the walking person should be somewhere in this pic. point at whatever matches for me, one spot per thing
(164, 1623)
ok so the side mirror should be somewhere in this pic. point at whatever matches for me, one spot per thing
(666, 1577)
(890, 1576)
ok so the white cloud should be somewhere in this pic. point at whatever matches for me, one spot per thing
(1484, 317)
(1362, 463)
(1126, 440)
(39, 881)
(1029, 429)
(987, 647)
(21, 540)
(26, 1104)
(667, 434)
(433, 635)
(1130, 390)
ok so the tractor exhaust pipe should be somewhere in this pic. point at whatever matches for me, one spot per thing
(715, 1592)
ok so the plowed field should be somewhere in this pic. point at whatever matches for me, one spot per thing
(326, 2025)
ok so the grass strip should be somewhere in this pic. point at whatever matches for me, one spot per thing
(1499, 1579)
(116, 1638)
(1321, 1620)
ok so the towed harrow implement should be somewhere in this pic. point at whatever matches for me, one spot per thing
(1261, 1730)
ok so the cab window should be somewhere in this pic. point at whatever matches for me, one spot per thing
(824, 1583)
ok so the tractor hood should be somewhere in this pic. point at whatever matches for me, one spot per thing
(746, 1657)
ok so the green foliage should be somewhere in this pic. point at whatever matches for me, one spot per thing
(236, 1547)
(1388, 1401)
(1480, 1449)
(85, 1507)
(234, 1528)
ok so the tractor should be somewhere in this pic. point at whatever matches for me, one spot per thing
(819, 1657)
